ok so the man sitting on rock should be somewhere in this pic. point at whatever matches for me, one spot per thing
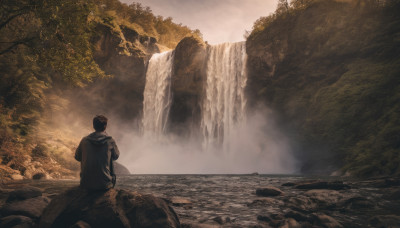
(96, 153)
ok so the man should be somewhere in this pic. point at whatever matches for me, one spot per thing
(96, 153)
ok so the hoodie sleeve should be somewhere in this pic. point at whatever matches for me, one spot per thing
(114, 150)
(78, 152)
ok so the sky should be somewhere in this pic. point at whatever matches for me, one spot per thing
(218, 20)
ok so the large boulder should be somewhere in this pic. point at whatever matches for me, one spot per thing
(112, 208)
(268, 191)
(120, 169)
(14, 221)
(32, 207)
(27, 192)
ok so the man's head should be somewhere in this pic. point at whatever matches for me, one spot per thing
(100, 123)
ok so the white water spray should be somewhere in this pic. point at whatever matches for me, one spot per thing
(251, 142)
(224, 104)
(157, 94)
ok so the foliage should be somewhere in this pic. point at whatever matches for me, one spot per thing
(337, 81)
(142, 19)
(47, 46)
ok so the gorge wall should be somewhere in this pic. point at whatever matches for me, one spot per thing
(330, 70)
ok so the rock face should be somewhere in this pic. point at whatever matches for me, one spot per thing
(112, 208)
(299, 65)
(187, 84)
(122, 52)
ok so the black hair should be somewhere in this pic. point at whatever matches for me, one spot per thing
(100, 123)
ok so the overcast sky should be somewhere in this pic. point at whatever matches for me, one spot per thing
(218, 20)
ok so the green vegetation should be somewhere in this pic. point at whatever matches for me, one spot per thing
(336, 78)
(47, 46)
(142, 20)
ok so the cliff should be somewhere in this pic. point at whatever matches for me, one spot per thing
(330, 71)
(187, 86)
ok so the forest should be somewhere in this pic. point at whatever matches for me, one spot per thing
(334, 80)
(46, 48)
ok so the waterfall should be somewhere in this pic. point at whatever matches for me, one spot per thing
(224, 103)
(157, 93)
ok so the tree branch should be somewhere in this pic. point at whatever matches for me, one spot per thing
(16, 43)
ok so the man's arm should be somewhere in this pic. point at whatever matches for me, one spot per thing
(114, 150)
(78, 152)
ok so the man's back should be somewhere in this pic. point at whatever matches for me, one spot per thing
(95, 152)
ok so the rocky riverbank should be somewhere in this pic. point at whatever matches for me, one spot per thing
(218, 200)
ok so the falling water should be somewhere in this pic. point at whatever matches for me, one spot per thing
(224, 104)
(157, 93)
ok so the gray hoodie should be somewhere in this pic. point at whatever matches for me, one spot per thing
(95, 152)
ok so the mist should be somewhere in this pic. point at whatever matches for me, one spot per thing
(256, 145)
(219, 21)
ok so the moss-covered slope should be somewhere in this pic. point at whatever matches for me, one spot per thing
(331, 69)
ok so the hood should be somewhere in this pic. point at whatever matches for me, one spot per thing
(98, 138)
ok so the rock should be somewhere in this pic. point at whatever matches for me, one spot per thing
(358, 203)
(32, 207)
(385, 221)
(335, 185)
(324, 198)
(264, 218)
(325, 221)
(187, 84)
(393, 194)
(81, 224)
(16, 177)
(39, 176)
(297, 216)
(386, 183)
(179, 201)
(120, 169)
(268, 191)
(24, 193)
(264, 202)
(218, 220)
(289, 184)
(301, 203)
(16, 221)
(112, 208)
(255, 174)
(290, 223)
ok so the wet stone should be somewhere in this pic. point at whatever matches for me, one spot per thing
(32, 207)
(357, 203)
(392, 194)
(268, 191)
(219, 220)
(385, 221)
(16, 221)
(24, 193)
(325, 221)
(264, 218)
(297, 216)
(334, 185)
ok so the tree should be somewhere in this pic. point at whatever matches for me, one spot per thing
(283, 6)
